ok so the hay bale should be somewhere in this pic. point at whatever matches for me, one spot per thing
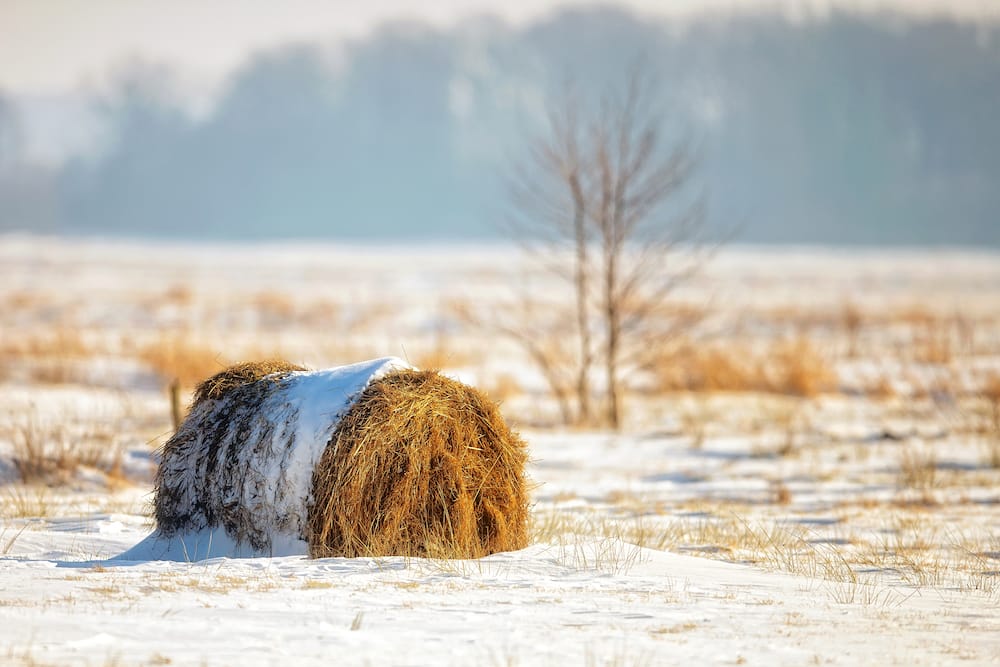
(421, 465)
(373, 459)
(244, 461)
(238, 375)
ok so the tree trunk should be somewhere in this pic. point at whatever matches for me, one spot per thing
(611, 314)
(582, 311)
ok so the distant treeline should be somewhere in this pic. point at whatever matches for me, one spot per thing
(845, 129)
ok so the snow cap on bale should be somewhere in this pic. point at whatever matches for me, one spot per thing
(400, 462)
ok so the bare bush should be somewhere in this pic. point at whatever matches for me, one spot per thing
(45, 453)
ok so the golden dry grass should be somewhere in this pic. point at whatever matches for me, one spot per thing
(503, 386)
(910, 546)
(274, 309)
(51, 453)
(49, 356)
(181, 359)
(421, 465)
(439, 355)
(918, 471)
(991, 393)
(932, 335)
(794, 367)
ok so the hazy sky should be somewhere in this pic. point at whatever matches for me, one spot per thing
(55, 46)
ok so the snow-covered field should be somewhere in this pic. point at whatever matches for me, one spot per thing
(858, 525)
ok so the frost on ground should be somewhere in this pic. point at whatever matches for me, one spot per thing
(854, 526)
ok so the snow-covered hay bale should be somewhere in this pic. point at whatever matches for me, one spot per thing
(421, 465)
(370, 459)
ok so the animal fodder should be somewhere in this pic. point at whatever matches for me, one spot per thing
(240, 374)
(371, 459)
(421, 465)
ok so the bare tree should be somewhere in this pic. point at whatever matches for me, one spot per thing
(550, 191)
(598, 201)
(645, 249)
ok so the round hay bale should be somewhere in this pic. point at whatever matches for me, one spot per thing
(421, 465)
(369, 459)
(238, 375)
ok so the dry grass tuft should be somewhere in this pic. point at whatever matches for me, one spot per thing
(34, 458)
(781, 493)
(46, 453)
(918, 471)
(793, 367)
(933, 336)
(708, 368)
(852, 319)
(274, 309)
(797, 368)
(503, 387)
(181, 360)
(421, 465)
(54, 355)
(238, 375)
(21, 502)
(56, 341)
(441, 353)
(179, 294)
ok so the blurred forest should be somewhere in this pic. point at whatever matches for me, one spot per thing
(844, 129)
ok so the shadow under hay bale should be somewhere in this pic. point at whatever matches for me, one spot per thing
(372, 459)
(421, 465)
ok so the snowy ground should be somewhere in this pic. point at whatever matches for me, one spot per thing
(718, 528)
(591, 602)
(584, 593)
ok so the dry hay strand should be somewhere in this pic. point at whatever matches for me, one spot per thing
(238, 375)
(421, 465)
